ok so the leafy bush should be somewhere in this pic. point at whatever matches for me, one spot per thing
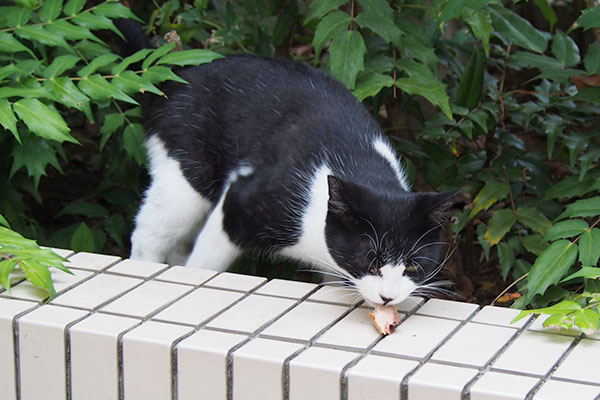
(500, 100)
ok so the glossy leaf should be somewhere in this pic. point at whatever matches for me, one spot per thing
(572, 186)
(550, 267)
(519, 31)
(564, 307)
(82, 239)
(319, 8)
(587, 320)
(10, 44)
(452, 9)
(158, 53)
(98, 62)
(589, 247)
(50, 9)
(499, 225)
(39, 33)
(584, 272)
(59, 65)
(113, 10)
(161, 73)
(548, 12)
(98, 88)
(481, 25)
(506, 258)
(533, 219)
(42, 120)
(346, 56)
(34, 154)
(73, 7)
(470, 86)
(111, 123)
(132, 59)
(331, 25)
(189, 57)
(70, 31)
(378, 16)
(590, 18)
(133, 138)
(95, 22)
(566, 229)
(372, 85)
(7, 266)
(65, 91)
(492, 192)
(130, 82)
(83, 208)
(564, 49)
(582, 208)
(592, 59)
(8, 119)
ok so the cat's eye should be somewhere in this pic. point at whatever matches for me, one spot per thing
(411, 269)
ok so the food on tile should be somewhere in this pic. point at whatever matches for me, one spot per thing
(385, 319)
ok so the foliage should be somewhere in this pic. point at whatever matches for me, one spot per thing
(18, 253)
(476, 96)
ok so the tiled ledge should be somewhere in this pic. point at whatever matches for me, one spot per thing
(135, 330)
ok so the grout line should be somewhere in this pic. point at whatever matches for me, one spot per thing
(570, 380)
(424, 360)
(560, 360)
(466, 392)
(67, 339)
(17, 348)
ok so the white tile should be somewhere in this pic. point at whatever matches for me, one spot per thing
(500, 316)
(354, 330)
(474, 344)
(558, 390)
(198, 306)
(376, 377)
(498, 386)
(283, 288)
(202, 364)
(91, 261)
(305, 321)
(416, 337)
(62, 281)
(251, 313)
(533, 353)
(242, 283)
(8, 310)
(186, 275)
(410, 304)
(137, 268)
(258, 367)
(147, 360)
(538, 326)
(448, 309)
(97, 290)
(315, 373)
(582, 363)
(439, 382)
(335, 295)
(147, 298)
(94, 361)
(42, 351)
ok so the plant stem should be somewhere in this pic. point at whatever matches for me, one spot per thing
(508, 288)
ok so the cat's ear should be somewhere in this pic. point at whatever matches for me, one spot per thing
(440, 204)
(339, 203)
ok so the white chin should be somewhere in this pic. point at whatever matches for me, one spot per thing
(392, 284)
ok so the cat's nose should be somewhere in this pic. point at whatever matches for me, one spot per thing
(385, 299)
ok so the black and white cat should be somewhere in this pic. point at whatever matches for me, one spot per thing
(268, 155)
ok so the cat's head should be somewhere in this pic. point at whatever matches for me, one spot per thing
(388, 243)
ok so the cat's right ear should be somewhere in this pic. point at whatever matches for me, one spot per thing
(338, 203)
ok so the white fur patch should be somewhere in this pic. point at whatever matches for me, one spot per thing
(386, 152)
(392, 284)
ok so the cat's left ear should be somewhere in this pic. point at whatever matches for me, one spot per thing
(440, 204)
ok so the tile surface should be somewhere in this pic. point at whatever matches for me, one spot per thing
(335, 295)
(354, 330)
(581, 363)
(283, 288)
(500, 316)
(91, 261)
(499, 386)
(186, 275)
(375, 377)
(558, 390)
(242, 283)
(137, 268)
(439, 382)
(448, 309)
(96, 291)
(62, 281)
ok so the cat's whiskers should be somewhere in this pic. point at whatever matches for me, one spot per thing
(412, 249)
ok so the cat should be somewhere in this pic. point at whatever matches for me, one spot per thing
(278, 157)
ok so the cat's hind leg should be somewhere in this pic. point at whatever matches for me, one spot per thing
(171, 214)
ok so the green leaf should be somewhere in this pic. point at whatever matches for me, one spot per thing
(65, 92)
(39, 275)
(35, 154)
(564, 49)
(98, 62)
(38, 33)
(83, 208)
(587, 320)
(566, 229)
(378, 16)
(114, 10)
(111, 123)
(331, 25)
(127, 61)
(584, 272)
(82, 239)
(30, 4)
(4, 222)
(422, 82)
(499, 225)
(589, 247)
(481, 25)
(23, 92)
(8, 119)
(9, 44)
(50, 9)
(133, 142)
(156, 54)
(550, 267)
(592, 59)
(130, 82)
(346, 56)
(16, 16)
(42, 120)
(506, 257)
(588, 94)
(582, 208)
(69, 31)
(115, 227)
(161, 73)
(549, 67)
(59, 65)
(319, 8)
(491, 193)
(470, 86)
(95, 22)
(534, 244)
(372, 85)
(73, 7)
(589, 18)
(189, 57)
(452, 9)
(564, 307)
(548, 12)
(6, 267)
(513, 28)
(98, 88)
(572, 186)
(533, 219)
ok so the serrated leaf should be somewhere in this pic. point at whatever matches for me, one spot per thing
(499, 225)
(38, 33)
(98, 88)
(98, 62)
(39, 275)
(4, 222)
(130, 82)
(516, 29)
(114, 10)
(491, 193)
(451, 9)
(30, 4)
(584, 272)
(587, 320)
(592, 59)
(9, 44)
(589, 247)
(566, 229)
(159, 73)
(346, 56)
(582, 208)
(481, 25)
(506, 258)
(156, 54)
(550, 267)
(42, 120)
(111, 123)
(319, 8)
(564, 49)
(378, 16)
(549, 67)
(331, 25)
(73, 7)
(589, 18)
(572, 187)
(65, 92)
(95, 22)
(559, 321)
(83, 208)
(82, 239)
(533, 219)
(8, 119)
(16, 16)
(127, 61)
(39, 92)
(35, 154)
(564, 307)
(372, 85)
(69, 31)
(548, 12)
(59, 65)
(189, 57)
(6, 268)
(133, 142)
(50, 9)
(470, 86)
